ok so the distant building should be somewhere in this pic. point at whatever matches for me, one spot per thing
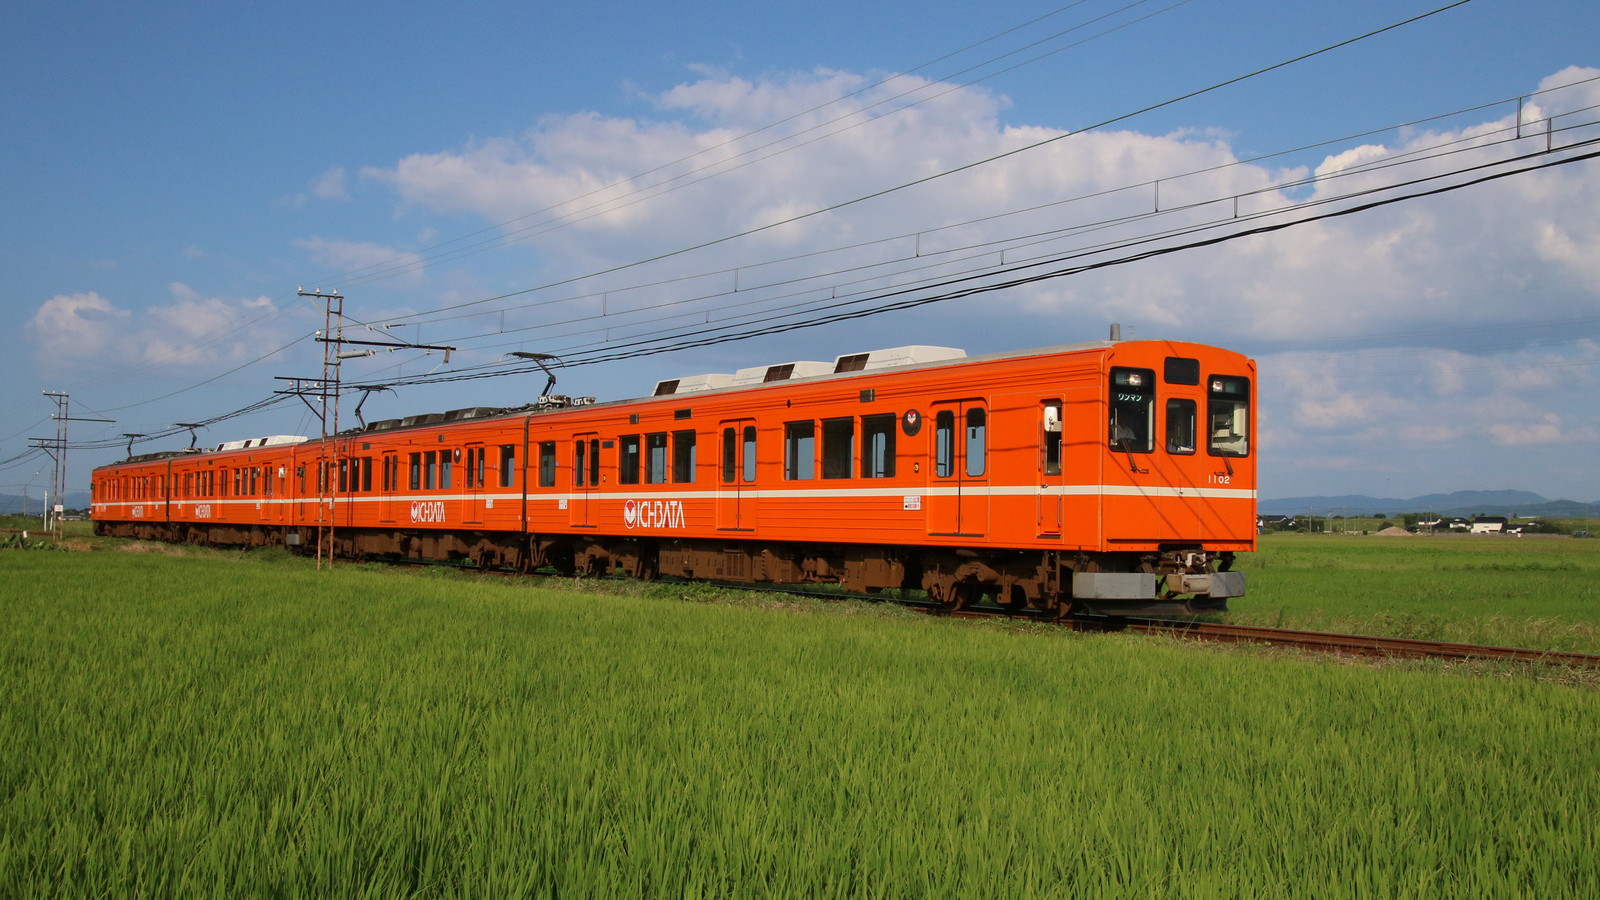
(1280, 523)
(1489, 525)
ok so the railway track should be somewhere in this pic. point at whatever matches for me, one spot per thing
(1329, 642)
(1319, 641)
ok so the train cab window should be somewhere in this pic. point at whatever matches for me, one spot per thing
(1050, 437)
(1180, 426)
(1228, 415)
(508, 465)
(547, 464)
(655, 458)
(799, 450)
(628, 460)
(683, 457)
(877, 450)
(838, 448)
(1132, 410)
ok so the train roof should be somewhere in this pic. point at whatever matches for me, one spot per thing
(883, 361)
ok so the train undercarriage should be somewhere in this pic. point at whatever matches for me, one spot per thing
(1172, 580)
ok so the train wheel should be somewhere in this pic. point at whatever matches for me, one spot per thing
(950, 594)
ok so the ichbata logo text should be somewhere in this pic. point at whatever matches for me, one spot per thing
(427, 511)
(652, 514)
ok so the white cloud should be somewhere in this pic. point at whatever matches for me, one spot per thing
(1445, 292)
(350, 256)
(192, 330)
(68, 327)
(330, 185)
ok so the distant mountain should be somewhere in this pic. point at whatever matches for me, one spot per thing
(33, 504)
(1458, 503)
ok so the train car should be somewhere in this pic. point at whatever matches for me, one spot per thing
(1115, 477)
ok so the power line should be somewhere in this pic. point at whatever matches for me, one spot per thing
(710, 337)
(410, 262)
(1225, 219)
(844, 204)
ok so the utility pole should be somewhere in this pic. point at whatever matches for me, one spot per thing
(327, 390)
(57, 449)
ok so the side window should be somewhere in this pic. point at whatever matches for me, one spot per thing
(1180, 426)
(683, 457)
(1228, 416)
(445, 458)
(1050, 437)
(508, 465)
(628, 459)
(416, 471)
(655, 459)
(877, 450)
(799, 450)
(1132, 410)
(838, 448)
(547, 464)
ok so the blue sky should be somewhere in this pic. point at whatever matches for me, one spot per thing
(174, 171)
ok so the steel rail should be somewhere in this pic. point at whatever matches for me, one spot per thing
(1318, 641)
(1331, 642)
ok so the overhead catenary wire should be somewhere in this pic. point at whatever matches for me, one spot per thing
(408, 262)
(945, 173)
(1223, 220)
(1120, 118)
(222, 332)
(712, 338)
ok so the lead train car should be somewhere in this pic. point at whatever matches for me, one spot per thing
(1108, 477)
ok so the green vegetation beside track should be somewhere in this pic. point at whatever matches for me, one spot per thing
(1538, 592)
(250, 726)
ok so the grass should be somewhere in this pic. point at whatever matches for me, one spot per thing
(220, 726)
(1479, 589)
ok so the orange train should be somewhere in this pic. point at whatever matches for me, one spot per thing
(1112, 477)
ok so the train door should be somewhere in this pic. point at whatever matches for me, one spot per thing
(1051, 480)
(581, 509)
(736, 480)
(388, 486)
(958, 495)
(474, 467)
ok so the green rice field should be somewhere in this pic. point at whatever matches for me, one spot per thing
(211, 724)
